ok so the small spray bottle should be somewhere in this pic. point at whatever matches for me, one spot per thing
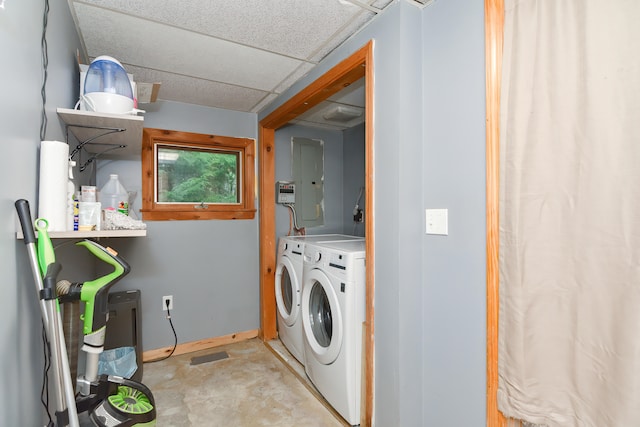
(72, 201)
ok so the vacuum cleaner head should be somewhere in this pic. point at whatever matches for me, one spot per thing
(127, 407)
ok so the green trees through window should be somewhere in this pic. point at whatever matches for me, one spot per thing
(197, 176)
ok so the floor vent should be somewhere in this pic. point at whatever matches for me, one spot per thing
(209, 358)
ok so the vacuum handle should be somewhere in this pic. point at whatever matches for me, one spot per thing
(24, 215)
(49, 281)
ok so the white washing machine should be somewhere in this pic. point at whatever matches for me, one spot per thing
(333, 310)
(288, 287)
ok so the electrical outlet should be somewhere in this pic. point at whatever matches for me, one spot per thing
(165, 299)
(357, 216)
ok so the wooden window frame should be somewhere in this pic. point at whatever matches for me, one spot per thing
(152, 211)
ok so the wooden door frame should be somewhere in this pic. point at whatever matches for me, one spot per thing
(351, 69)
(494, 29)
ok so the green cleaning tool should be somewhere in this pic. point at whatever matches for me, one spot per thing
(109, 400)
(45, 271)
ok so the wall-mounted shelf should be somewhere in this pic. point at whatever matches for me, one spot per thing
(90, 234)
(85, 125)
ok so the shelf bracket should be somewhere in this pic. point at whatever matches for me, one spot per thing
(84, 165)
(81, 144)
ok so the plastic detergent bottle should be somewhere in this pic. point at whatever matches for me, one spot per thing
(113, 195)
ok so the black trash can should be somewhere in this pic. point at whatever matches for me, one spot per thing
(124, 328)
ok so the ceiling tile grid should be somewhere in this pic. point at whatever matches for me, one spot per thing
(232, 54)
(143, 43)
(176, 87)
(295, 28)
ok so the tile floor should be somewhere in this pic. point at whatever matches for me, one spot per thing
(257, 385)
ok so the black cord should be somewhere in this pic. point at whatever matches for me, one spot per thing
(175, 336)
(44, 394)
(45, 65)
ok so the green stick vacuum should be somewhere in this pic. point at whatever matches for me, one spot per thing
(109, 400)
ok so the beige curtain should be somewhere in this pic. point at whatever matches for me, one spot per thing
(569, 347)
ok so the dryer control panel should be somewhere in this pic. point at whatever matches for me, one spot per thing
(285, 192)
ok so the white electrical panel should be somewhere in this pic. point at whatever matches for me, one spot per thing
(285, 192)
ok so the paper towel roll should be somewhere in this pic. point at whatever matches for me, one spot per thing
(54, 172)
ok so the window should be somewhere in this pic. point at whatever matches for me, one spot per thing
(190, 176)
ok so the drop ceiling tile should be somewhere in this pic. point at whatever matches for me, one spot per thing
(266, 101)
(343, 34)
(296, 28)
(191, 90)
(301, 71)
(135, 41)
(381, 4)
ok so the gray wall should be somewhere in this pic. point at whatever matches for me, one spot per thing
(429, 153)
(344, 175)
(20, 108)
(210, 267)
(353, 177)
(454, 299)
(332, 175)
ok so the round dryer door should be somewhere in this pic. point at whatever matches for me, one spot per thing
(287, 292)
(321, 317)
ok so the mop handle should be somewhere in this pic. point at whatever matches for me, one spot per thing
(24, 215)
(63, 386)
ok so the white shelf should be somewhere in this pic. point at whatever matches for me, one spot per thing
(90, 234)
(89, 121)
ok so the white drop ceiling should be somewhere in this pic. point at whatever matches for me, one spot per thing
(231, 54)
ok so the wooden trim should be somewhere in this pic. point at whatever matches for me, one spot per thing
(190, 347)
(369, 344)
(172, 215)
(351, 69)
(494, 24)
(244, 147)
(266, 172)
(333, 81)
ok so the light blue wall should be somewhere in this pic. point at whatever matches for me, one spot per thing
(429, 153)
(210, 267)
(411, 277)
(344, 175)
(454, 299)
(353, 177)
(332, 175)
(21, 363)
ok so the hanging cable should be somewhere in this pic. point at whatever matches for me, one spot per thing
(175, 337)
(45, 65)
(44, 393)
(290, 224)
(357, 212)
(297, 230)
(84, 165)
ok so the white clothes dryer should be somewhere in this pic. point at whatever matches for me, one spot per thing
(333, 310)
(288, 287)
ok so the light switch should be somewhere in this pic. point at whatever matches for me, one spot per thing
(437, 221)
